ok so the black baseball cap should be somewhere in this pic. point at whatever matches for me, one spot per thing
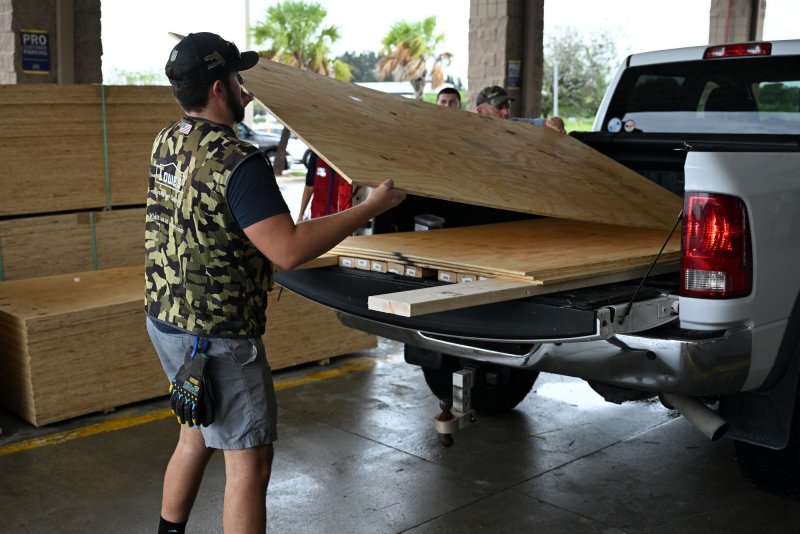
(494, 95)
(204, 57)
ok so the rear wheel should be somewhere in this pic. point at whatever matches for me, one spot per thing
(497, 389)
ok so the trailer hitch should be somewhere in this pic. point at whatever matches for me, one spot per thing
(458, 413)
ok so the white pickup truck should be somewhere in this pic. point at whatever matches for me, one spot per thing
(718, 340)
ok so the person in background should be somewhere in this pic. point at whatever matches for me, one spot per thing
(493, 101)
(327, 191)
(449, 97)
(215, 224)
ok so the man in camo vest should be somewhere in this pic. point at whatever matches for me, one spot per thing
(216, 223)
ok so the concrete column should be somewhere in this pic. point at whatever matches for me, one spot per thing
(505, 48)
(733, 21)
(65, 47)
(8, 73)
(88, 46)
(72, 30)
(533, 59)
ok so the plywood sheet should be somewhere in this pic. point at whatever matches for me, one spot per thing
(549, 250)
(429, 150)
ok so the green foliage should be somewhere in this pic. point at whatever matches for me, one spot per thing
(364, 66)
(779, 97)
(585, 64)
(407, 50)
(294, 34)
(129, 77)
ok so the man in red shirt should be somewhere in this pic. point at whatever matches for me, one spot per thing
(327, 191)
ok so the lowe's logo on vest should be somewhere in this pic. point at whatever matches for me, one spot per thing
(169, 176)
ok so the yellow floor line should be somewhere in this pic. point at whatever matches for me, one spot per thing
(120, 423)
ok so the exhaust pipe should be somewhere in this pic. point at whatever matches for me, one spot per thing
(701, 416)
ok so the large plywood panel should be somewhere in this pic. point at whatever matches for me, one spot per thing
(429, 150)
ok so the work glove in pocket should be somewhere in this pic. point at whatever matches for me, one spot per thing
(191, 397)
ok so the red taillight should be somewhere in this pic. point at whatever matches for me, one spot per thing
(735, 50)
(717, 256)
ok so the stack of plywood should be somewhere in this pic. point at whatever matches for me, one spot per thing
(544, 250)
(54, 244)
(77, 147)
(72, 248)
(76, 343)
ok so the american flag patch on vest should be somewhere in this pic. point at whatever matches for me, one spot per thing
(185, 128)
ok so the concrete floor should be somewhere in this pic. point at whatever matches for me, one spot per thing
(357, 454)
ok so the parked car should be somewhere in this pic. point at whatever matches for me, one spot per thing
(266, 142)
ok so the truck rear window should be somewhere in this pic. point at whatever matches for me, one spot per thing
(740, 95)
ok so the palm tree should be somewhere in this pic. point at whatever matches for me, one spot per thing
(295, 36)
(407, 49)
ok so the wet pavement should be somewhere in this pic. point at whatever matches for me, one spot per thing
(358, 454)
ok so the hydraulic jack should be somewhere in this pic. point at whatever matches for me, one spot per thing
(458, 413)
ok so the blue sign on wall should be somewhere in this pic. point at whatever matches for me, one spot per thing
(35, 51)
(513, 74)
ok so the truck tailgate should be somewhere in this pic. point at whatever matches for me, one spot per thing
(347, 290)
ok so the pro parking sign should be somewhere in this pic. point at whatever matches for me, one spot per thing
(35, 51)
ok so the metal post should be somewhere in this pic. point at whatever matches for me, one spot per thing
(555, 88)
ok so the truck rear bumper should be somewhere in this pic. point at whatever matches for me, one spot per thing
(714, 365)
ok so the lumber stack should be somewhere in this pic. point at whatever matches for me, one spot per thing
(72, 249)
(76, 343)
(506, 261)
(46, 245)
(545, 250)
(54, 141)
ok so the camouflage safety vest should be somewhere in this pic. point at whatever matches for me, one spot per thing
(202, 274)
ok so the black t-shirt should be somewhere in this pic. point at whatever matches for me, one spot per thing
(312, 170)
(253, 193)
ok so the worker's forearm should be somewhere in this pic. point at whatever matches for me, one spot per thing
(317, 236)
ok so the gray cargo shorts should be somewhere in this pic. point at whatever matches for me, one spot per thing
(244, 396)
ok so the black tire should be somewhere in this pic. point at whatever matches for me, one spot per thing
(775, 471)
(497, 389)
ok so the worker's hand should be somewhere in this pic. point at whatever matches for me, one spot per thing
(556, 124)
(191, 399)
(385, 196)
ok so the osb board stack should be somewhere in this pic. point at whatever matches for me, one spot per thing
(457, 155)
(75, 344)
(52, 145)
